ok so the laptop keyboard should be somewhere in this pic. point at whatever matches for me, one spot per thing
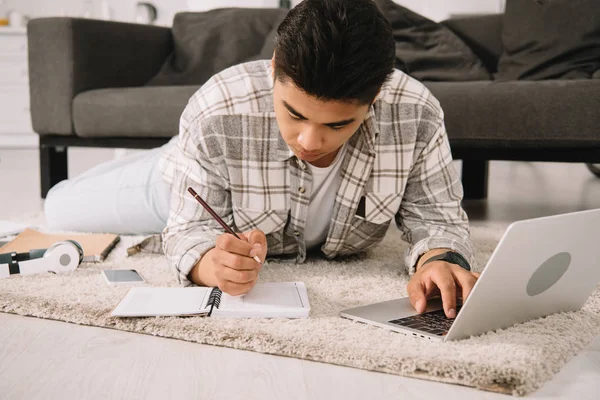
(433, 322)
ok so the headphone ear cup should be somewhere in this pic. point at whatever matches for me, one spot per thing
(79, 248)
(63, 256)
(71, 243)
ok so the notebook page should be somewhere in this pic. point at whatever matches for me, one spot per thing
(267, 300)
(166, 301)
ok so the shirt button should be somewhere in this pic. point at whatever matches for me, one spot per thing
(300, 164)
(301, 189)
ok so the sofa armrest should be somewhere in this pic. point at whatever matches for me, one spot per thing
(68, 56)
(483, 34)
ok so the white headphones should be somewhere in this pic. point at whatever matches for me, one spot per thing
(64, 256)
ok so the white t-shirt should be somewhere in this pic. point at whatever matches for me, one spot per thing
(325, 184)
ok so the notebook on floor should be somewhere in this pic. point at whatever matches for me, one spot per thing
(96, 246)
(265, 300)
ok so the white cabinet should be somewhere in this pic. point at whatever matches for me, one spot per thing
(15, 117)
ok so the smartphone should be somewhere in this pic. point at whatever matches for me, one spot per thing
(122, 277)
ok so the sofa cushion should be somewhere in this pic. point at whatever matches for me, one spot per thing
(521, 113)
(130, 112)
(482, 33)
(209, 42)
(428, 50)
(266, 53)
(549, 39)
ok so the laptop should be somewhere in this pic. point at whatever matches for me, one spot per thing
(540, 267)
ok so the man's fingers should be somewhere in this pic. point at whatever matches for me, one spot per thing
(445, 282)
(231, 244)
(416, 294)
(256, 236)
(258, 241)
(235, 289)
(465, 280)
(236, 261)
(238, 276)
(243, 236)
(431, 289)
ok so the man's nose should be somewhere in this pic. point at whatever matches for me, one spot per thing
(310, 140)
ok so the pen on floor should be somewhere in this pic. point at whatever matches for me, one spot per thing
(217, 218)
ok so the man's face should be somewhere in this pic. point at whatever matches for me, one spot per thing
(315, 130)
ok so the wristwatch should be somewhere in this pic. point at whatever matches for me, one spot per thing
(452, 257)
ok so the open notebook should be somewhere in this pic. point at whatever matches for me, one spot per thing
(265, 300)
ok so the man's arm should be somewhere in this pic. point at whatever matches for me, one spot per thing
(193, 241)
(432, 219)
(431, 216)
(191, 231)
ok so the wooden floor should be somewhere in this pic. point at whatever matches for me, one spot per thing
(56, 360)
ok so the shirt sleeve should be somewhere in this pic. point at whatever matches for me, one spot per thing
(193, 161)
(431, 215)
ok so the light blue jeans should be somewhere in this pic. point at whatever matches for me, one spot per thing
(125, 196)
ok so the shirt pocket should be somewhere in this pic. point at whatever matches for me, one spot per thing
(369, 230)
(271, 222)
(381, 207)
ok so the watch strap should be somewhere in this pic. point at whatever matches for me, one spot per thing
(452, 257)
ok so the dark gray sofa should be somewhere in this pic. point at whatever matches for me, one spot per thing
(89, 87)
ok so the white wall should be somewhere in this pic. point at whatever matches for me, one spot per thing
(124, 10)
(438, 10)
(433, 9)
(203, 5)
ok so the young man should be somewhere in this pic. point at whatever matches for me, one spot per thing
(318, 149)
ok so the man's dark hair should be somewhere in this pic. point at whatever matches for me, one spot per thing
(341, 50)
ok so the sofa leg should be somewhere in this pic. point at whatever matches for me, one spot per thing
(475, 179)
(53, 166)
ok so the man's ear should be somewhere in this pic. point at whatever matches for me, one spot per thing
(376, 96)
(273, 64)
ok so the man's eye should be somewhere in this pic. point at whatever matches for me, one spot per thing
(293, 116)
(337, 128)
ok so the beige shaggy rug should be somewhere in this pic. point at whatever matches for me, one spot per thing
(515, 361)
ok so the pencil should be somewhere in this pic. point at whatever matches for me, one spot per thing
(217, 218)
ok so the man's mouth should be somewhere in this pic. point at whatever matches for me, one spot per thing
(309, 154)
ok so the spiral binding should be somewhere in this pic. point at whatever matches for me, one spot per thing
(214, 300)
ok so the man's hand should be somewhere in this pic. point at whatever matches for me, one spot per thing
(440, 277)
(230, 265)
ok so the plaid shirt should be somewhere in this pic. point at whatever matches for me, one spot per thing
(397, 165)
